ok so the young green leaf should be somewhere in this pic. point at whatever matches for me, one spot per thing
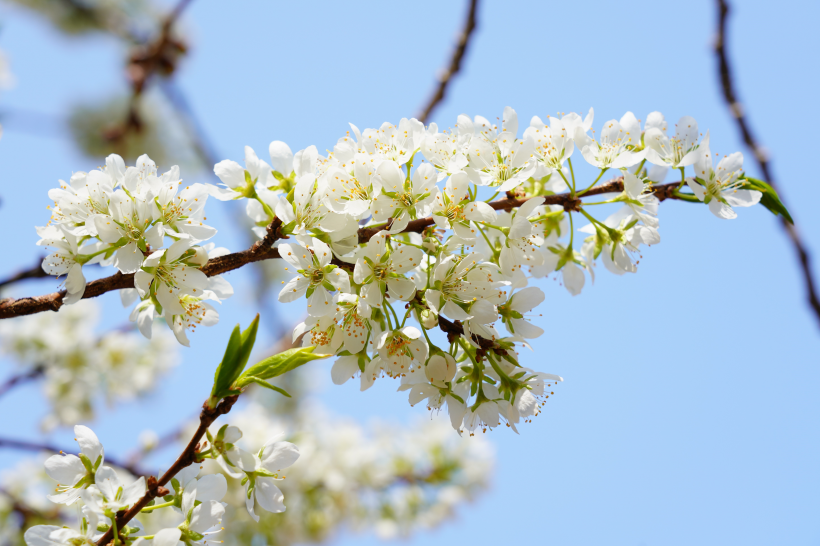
(770, 199)
(279, 364)
(234, 361)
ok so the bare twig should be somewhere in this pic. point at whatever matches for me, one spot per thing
(455, 63)
(21, 378)
(263, 250)
(186, 458)
(738, 113)
(23, 445)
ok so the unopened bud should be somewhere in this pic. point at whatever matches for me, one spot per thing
(440, 369)
(428, 319)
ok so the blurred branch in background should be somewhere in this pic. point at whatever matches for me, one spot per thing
(159, 56)
(739, 114)
(22, 378)
(9, 443)
(79, 367)
(454, 66)
(34, 272)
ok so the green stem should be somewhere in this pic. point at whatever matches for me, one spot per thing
(387, 315)
(572, 173)
(491, 226)
(424, 331)
(157, 506)
(593, 184)
(493, 197)
(682, 177)
(487, 239)
(84, 258)
(571, 230)
(601, 202)
(409, 165)
(594, 221)
(640, 166)
(115, 531)
(565, 180)
(392, 311)
(460, 341)
(266, 208)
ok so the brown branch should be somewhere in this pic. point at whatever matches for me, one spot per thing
(186, 458)
(263, 250)
(455, 63)
(21, 378)
(737, 111)
(23, 445)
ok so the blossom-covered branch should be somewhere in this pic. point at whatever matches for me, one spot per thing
(263, 250)
(738, 112)
(156, 487)
(375, 245)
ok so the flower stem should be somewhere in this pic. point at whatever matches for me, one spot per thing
(157, 506)
(593, 184)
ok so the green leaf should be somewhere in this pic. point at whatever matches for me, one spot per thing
(770, 199)
(234, 361)
(267, 385)
(279, 364)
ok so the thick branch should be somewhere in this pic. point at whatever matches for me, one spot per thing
(737, 111)
(455, 63)
(263, 250)
(186, 458)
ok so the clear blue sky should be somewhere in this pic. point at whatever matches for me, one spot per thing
(689, 412)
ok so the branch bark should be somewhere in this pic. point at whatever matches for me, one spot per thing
(454, 66)
(737, 112)
(185, 459)
(263, 250)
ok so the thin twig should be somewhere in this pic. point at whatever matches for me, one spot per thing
(21, 378)
(186, 458)
(23, 445)
(738, 113)
(263, 250)
(455, 63)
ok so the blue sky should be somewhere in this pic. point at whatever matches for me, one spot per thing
(689, 411)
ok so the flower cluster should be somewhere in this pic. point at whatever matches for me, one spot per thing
(389, 228)
(386, 477)
(123, 216)
(347, 476)
(194, 501)
(77, 365)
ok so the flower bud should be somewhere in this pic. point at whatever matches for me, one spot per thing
(201, 256)
(440, 369)
(428, 319)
